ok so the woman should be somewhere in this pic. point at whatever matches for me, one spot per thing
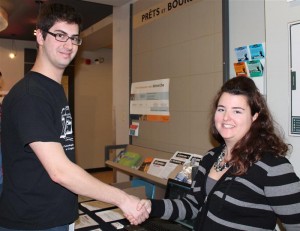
(246, 183)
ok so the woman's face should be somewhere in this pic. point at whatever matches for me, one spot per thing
(233, 117)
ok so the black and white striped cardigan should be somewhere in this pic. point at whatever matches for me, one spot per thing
(270, 190)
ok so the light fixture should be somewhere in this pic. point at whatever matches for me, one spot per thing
(3, 19)
(13, 52)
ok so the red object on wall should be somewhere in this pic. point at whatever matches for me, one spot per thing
(88, 61)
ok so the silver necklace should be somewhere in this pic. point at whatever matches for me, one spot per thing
(217, 165)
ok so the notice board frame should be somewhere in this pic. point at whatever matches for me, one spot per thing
(294, 83)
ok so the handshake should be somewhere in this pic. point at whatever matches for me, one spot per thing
(136, 210)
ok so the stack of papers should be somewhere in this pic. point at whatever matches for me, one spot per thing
(162, 168)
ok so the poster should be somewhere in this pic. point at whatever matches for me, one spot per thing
(134, 129)
(240, 69)
(150, 100)
(257, 51)
(251, 63)
(242, 53)
(255, 68)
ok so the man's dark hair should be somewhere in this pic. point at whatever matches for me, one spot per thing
(51, 13)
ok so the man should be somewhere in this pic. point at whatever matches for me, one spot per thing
(1, 174)
(41, 180)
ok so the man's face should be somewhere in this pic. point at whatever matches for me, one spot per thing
(57, 53)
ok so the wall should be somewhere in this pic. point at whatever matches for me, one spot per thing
(12, 69)
(121, 54)
(183, 45)
(245, 29)
(278, 15)
(269, 25)
(93, 108)
(121, 62)
(121, 32)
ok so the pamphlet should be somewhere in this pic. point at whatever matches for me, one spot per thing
(111, 215)
(179, 158)
(242, 53)
(84, 221)
(157, 166)
(255, 68)
(257, 51)
(130, 159)
(96, 205)
(162, 168)
(241, 69)
(170, 166)
(134, 129)
(146, 164)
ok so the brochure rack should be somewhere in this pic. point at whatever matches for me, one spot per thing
(144, 152)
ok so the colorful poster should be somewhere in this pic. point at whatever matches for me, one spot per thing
(242, 53)
(251, 63)
(257, 51)
(255, 68)
(134, 129)
(240, 69)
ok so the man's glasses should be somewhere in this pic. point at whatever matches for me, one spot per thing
(62, 37)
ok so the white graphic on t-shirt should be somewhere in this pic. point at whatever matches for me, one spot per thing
(66, 121)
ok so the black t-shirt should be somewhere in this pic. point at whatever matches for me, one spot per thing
(36, 109)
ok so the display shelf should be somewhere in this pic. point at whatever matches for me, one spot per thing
(137, 173)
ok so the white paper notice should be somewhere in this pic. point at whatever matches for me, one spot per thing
(96, 205)
(157, 166)
(170, 167)
(111, 215)
(179, 158)
(84, 221)
(150, 97)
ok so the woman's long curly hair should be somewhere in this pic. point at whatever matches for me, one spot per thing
(261, 137)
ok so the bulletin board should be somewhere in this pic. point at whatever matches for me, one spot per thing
(185, 42)
(294, 29)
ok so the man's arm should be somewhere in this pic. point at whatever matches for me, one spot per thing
(66, 173)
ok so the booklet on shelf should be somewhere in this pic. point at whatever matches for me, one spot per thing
(146, 164)
(157, 166)
(130, 159)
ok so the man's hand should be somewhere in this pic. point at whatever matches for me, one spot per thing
(131, 211)
(142, 205)
(145, 204)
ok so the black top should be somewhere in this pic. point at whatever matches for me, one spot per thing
(36, 109)
(268, 191)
